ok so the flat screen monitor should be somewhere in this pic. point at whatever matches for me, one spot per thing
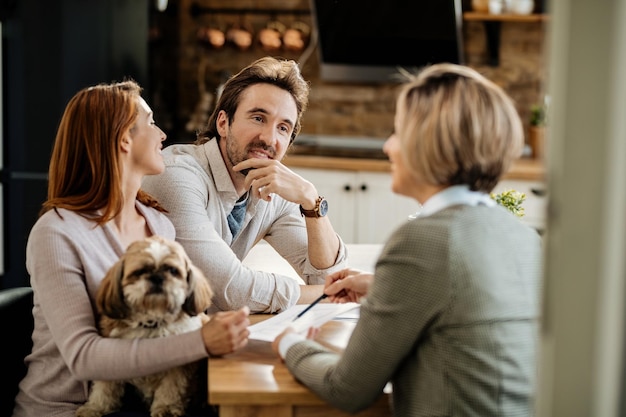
(365, 41)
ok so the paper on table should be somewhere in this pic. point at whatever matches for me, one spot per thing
(267, 330)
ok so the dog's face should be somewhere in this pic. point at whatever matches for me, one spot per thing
(154, 277)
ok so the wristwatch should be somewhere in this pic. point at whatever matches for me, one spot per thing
(320, 210)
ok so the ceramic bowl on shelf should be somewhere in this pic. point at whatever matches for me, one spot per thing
(522, 6)
(496, 6)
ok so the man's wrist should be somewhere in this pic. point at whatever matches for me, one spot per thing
(309, 204)
(320, 209)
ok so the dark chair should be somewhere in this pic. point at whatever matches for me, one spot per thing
(16, 322)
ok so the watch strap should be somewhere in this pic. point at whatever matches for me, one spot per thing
(315, 212)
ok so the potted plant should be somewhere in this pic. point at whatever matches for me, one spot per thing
(511, 200)
(537, 130)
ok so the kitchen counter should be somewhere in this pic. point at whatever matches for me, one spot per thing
(522, 169)
(366, 154)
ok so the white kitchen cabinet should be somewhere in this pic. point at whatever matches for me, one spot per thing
(362, 207)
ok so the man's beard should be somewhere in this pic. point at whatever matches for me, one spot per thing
(236, 157)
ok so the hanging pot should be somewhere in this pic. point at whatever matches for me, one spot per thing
(296, 37)
(270, 36)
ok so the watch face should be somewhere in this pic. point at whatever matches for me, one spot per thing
(323, 208)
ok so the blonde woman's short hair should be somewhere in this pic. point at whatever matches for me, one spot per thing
(457, 127)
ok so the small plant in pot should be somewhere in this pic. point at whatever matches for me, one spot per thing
(537, 130)
(511, 200)
(538, 116)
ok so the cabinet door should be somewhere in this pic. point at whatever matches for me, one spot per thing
(379, 210)
(338, 188)
(363, 209)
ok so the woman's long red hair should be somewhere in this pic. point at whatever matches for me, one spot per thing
(84, 173)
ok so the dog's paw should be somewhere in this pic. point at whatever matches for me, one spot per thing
(105, 398)
(169, 410)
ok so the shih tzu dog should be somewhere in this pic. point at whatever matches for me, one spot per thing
(152, 291)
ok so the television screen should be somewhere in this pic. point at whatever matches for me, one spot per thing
(369, 40)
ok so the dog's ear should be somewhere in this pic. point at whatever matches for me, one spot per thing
(110, 297)
(200, 292)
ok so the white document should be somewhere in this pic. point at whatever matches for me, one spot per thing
(267, 330)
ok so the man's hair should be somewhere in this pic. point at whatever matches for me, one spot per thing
(282, 73)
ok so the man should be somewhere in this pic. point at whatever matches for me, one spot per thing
(229, 190)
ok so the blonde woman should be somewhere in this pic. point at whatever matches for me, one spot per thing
(450, 315)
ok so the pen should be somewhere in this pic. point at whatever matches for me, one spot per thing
(320, 298)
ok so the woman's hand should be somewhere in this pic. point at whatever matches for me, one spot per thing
(311, 334)
(347, 285)
(226, 331)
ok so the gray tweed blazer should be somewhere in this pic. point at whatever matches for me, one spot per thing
(451, 320)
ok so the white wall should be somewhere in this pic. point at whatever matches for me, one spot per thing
(582, 343)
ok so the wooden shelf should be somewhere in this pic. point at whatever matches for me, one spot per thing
(487, 17)
(492, 23)
(196, 10)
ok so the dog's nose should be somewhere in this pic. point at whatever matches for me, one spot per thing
(156, 280)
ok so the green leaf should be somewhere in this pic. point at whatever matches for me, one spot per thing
(511, 200)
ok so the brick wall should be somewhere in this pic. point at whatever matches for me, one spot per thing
(187, 73)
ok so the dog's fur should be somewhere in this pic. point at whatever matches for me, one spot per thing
(152, 291)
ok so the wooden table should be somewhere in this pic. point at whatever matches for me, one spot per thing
(254, 382)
